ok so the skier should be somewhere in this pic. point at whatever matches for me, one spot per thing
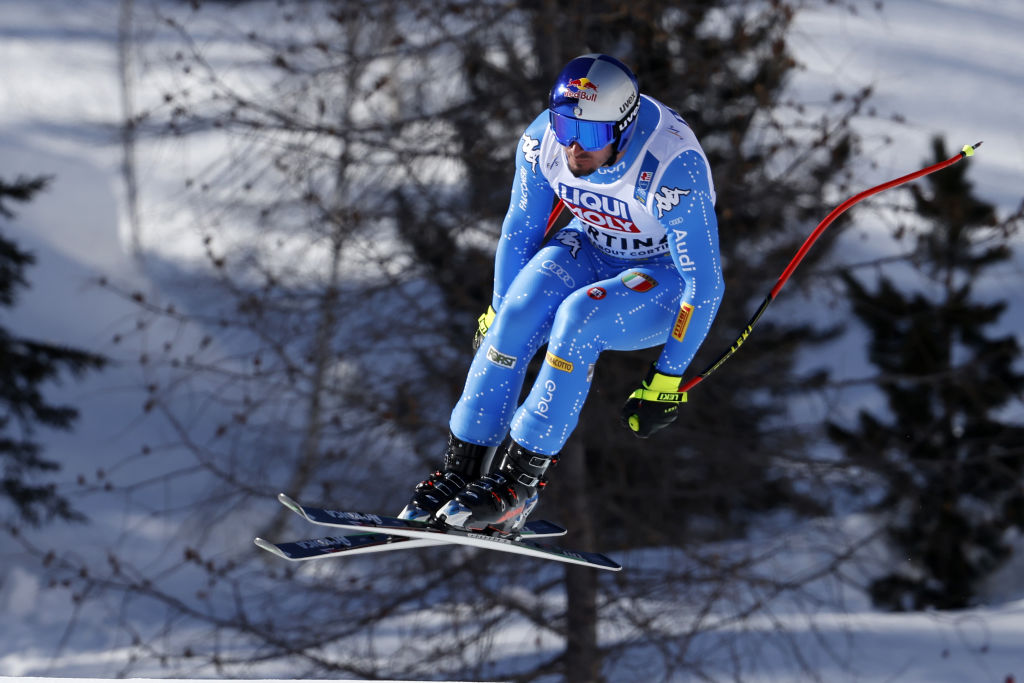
(638, 266)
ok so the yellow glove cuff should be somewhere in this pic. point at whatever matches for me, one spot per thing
(483, 323)
(660, 388)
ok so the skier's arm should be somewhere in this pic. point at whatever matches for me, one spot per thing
(684, 203)
(523, 229)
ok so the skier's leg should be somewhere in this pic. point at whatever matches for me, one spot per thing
(521, 326)
(632, 310)
(495, 379)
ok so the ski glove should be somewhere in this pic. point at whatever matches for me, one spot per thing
(654, 405)
(483, 323)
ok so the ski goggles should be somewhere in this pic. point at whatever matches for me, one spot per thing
(590, 135)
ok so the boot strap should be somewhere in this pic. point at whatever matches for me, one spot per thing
(463, 457)
(527, 480)
(527, 467)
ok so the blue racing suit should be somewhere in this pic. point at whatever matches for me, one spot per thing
(638, 266)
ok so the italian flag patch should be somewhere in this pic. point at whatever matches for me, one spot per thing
(639, 282)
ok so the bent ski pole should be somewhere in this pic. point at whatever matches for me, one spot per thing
(968, 150)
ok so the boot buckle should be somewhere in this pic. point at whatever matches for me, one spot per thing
(527, 480)
(538, 461)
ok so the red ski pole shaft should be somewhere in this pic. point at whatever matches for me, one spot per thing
(555, 213)
(968, 150)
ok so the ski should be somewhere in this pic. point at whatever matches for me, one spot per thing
(359, 521)
(332, 546)
(362, 543)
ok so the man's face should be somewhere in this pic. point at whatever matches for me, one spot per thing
(583, 163)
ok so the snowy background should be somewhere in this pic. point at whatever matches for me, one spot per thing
(954, 68)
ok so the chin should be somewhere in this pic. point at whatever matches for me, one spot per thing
(582, 170)
(589, 163)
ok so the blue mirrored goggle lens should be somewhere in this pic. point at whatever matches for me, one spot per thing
(591, 135)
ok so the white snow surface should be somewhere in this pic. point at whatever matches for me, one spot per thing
(951, 67)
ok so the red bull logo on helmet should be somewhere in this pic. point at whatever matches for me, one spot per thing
(582, 88)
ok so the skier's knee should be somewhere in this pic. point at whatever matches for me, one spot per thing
(577, 319)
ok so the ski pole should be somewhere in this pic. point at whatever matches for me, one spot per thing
(556, 211)
(968, 150)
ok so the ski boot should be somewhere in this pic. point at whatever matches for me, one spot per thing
(462, 463)
(501, 500)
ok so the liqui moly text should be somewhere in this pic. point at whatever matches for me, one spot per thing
(598, 210)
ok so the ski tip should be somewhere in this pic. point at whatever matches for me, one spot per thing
(268, 546)
(599, 561)
(542, 527)
(289, 503)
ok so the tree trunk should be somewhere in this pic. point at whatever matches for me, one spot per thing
(582, 655)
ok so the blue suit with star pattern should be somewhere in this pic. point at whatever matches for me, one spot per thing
(638, 266)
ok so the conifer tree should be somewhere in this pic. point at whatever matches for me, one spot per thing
(948, 460)
(26, 366)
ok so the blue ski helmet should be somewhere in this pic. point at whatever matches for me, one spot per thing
(594, 102)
